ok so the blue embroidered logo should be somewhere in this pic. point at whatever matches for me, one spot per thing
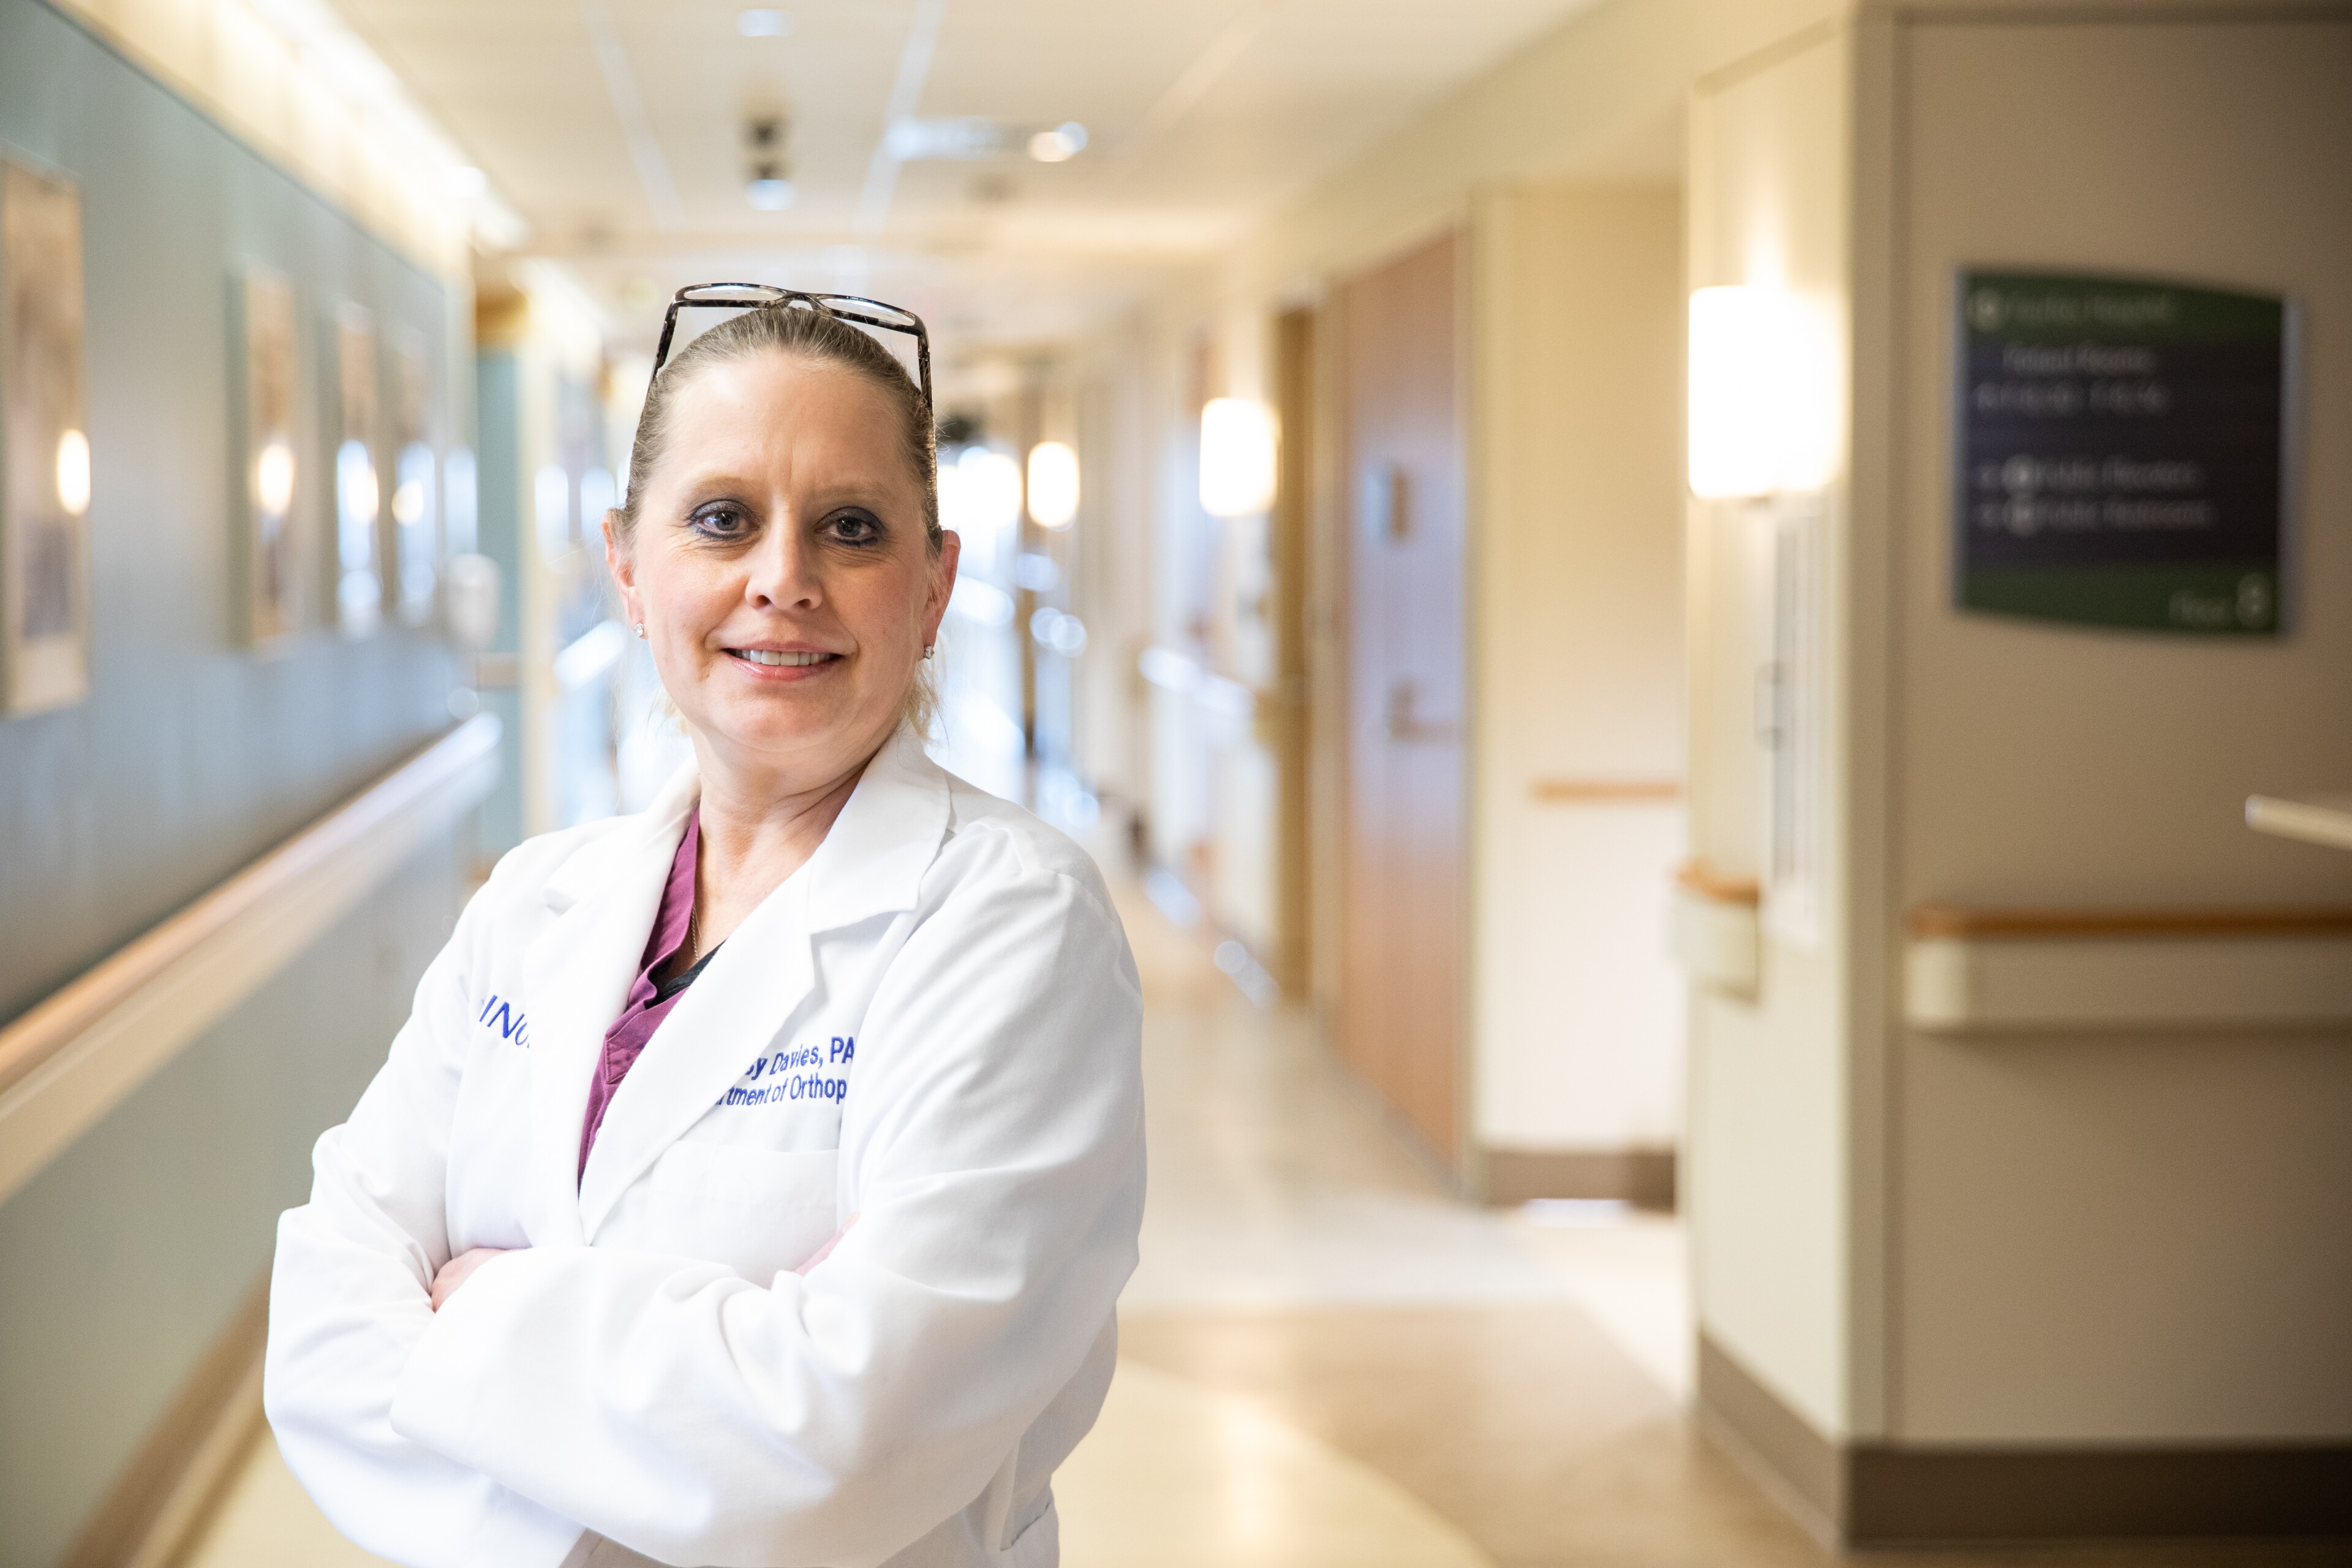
(508, 1020)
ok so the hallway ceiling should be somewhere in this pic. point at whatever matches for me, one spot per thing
(616, 128)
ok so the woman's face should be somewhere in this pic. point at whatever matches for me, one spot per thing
(779, 568)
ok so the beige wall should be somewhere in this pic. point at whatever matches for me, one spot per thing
(2097, 1237)
(1576, 632)
(1112, 591)
(1598, 101)
(1772, 1251)
(2119, 1236)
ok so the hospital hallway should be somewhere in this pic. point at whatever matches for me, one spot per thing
(1327, 1362)
(1703, 645)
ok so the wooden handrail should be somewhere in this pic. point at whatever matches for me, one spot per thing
(1605, 791)
(1698, 877)
(72, 1055)
(1951, 921)
(35, 1035)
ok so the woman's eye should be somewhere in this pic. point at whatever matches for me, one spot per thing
(855, 528)
(721, 523)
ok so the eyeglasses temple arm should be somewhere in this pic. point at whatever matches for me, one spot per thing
(669, 325)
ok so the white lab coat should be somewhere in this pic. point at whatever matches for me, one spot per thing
(933, 1025)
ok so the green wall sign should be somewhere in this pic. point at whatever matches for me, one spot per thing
(2120, 453)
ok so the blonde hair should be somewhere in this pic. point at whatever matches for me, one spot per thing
(812, 334)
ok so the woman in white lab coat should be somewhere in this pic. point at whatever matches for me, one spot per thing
(754, 1177)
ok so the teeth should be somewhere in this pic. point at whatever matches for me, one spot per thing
(769, 655)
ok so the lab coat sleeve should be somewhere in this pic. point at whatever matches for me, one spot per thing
(350, 1296)
(993, 1144)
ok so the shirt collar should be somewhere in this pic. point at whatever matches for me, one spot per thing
(675, 918)
(872, 861)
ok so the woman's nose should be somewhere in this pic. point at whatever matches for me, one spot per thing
(785, 571)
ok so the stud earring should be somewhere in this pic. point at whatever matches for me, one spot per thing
(641, 629)
(927, 650)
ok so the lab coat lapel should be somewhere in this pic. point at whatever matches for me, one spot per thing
(580, 970)
(725, 1020)
(871, 862)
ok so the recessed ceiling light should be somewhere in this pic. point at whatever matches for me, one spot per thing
(1060, 145)
(769, 195)
(974, 136)
(763, 22)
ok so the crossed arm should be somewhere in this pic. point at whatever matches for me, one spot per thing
(456, 1272)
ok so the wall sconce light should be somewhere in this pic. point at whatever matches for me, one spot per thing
(408, 492)
(991, 487)
(980, 501)
(1053, 485)
(273, 478)
(73, 472)
(1237, 446)
(355, 488)
(461, 501)
(1763, 416)
(358, 592)
(413, 530)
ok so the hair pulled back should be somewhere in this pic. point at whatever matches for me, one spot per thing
(806, 334)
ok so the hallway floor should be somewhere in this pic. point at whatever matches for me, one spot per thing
(1326, 1361)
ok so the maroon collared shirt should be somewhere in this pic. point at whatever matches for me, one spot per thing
(650, 999)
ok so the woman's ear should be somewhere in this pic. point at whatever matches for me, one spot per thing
(943, 577)
(624, 569)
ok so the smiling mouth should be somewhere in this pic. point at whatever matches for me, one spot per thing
(777, 657)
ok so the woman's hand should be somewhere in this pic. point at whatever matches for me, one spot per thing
(459, 1269)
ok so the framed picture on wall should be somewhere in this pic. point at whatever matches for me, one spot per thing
(45, 472)
(359, 582)
(414, 526)
(276, 567)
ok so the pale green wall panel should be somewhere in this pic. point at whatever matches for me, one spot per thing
(120, 1262)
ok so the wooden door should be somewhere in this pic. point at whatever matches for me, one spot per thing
(1404, 840)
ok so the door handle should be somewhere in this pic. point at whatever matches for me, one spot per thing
(1772, 704)
(1384, 503)
(1402, 726)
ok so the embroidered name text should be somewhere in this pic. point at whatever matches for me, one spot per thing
(507, 1019)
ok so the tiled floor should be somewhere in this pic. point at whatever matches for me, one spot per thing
(1327, 1364)
(1523, 1384)
(265, 1520)
(1519, 1383)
